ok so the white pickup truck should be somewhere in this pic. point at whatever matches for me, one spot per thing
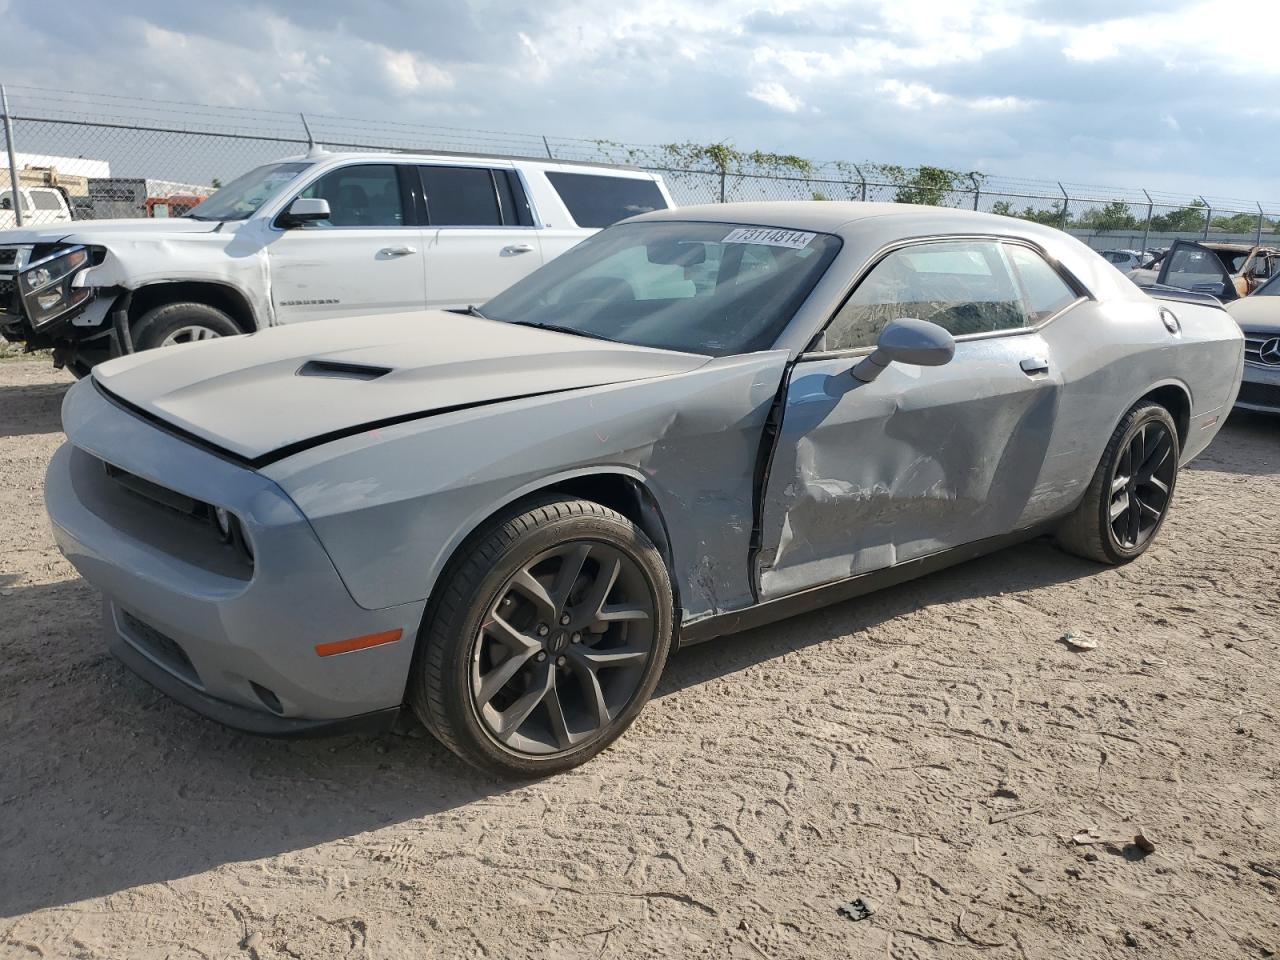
(38, 205)
(325, 235)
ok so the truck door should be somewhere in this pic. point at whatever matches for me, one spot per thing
(480, 237)
(367, 258)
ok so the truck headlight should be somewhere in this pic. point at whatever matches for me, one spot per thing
(48, 287)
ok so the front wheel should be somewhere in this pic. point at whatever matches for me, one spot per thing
(181, 323)
(546, 639)
(1128, 499)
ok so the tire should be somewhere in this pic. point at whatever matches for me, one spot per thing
(181, 323)
(1148, 435)
(529, 679)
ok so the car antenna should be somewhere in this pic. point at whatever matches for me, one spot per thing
(313, 149)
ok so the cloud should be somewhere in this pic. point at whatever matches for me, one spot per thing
(775, 95)
(1082, 92)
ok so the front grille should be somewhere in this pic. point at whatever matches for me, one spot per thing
(1260, 394)
(8, 256)
(164, 650)
(7, 289)
(1253, 342)
(161, 496)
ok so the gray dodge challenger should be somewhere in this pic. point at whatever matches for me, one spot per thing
(695, 422)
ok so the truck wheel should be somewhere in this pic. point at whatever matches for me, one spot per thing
(544, 640)
(181, 323)
(1129, 497)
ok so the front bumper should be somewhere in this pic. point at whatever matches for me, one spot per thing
(234, 642)
(1260, 388)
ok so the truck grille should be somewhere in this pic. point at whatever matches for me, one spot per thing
(8, 256)
(1260, 395)
(7, 289)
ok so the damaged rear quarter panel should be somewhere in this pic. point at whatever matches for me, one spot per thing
(392, 505)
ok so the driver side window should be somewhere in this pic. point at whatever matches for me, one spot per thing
(366, 195)
(964, 286)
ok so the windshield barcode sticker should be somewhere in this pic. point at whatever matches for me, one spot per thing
(795, 239)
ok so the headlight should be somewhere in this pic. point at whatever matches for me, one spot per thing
(48, 286)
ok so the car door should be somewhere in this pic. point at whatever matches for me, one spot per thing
(367, 258)
(868, 475)
(1189, 266)
(479, 235)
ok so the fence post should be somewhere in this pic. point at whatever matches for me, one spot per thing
(1258, 240)
(1208, 216)
(977, 190)
(13, 160)
(546, 143)
(862, 182)
(1146, 230)
(722, 184)
(1065, 200)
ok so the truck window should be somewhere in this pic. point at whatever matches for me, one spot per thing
(597, 200)
(365, 195)
(6, 201)
(46, 200)
(462, 196)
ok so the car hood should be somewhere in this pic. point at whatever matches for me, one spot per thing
(101, 231)
(263, 396)
(1256, 313)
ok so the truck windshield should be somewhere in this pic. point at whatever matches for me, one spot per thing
(709, 288)
(241, 198)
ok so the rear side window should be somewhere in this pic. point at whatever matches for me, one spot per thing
(1045, 290)
(45, 200)
(461, 197)
(597, 200)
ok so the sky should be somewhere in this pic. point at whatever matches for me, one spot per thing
(1173, 95)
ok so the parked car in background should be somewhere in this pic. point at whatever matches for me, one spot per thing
(1123, 260)
(38, 205)
(1259, 317)
(1225, 270)
(308, 238)
(695, 422)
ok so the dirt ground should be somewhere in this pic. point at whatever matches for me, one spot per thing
(932, 749)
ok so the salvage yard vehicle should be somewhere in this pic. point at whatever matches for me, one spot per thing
(1259, 317)
(695, 422)
(1225, 270)
(309, 238)
(1124, 260)
(38, 205)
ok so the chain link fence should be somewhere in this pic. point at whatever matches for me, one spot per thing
(94, 156)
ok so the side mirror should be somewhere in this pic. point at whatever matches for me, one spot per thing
(907, 340)
(305, 210)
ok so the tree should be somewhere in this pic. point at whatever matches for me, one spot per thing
(1051, 217)
(1237, 223)
(1188, 219)
(1112, 216)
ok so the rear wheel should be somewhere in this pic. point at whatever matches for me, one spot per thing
(1129, 497)
(546, 641)
(181, 323)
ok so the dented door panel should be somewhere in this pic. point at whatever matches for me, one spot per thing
(869, 475)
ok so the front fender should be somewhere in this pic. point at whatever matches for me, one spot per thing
(392, 505)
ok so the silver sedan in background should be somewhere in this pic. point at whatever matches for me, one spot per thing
(694, 422)
(1259, 317)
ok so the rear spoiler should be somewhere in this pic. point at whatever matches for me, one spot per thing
(1160, 291)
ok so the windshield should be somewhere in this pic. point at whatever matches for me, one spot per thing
(709, 288)
(241, 198)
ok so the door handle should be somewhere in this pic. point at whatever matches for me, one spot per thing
(1033, 365)
(518, 248)
(397, 251)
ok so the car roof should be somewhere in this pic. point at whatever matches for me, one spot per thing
(402, 156)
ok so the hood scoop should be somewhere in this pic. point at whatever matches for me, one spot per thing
(338, 370)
